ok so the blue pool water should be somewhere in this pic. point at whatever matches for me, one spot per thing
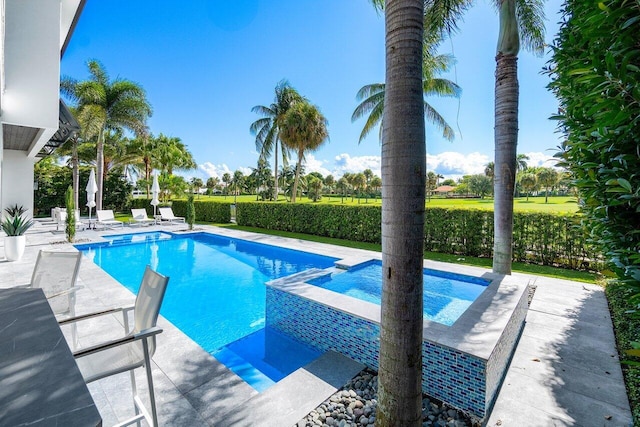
(446, 295)
(216, 292)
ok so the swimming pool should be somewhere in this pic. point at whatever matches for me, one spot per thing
(446, 295)
(216, 292)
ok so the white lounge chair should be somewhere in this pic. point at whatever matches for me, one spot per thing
(139, 216)
(106, 219)
(132, 351)
(166, 214)
(62, 220)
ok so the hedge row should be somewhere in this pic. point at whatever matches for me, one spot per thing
(207, 211)
(541, 238)
(358, 223)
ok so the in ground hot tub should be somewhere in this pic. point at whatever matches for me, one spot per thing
(470, 330)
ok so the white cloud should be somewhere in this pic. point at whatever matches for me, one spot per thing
(345, 163)
(541, 159)
(311, 164)
(453, 165)
(211, 170)
(245, 170)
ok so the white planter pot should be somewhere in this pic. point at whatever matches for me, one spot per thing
(14, 247)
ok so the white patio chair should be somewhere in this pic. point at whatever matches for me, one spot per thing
(139, 216)
(56, 273)
(107, 219)
(166, 214)
(132, 351)
(62, 220)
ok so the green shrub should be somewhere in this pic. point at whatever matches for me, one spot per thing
(541, 238)
(208, 211)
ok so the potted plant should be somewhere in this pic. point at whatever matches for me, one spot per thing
(15, 225)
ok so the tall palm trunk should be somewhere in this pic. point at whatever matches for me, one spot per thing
(403, 193)
(506, 136)
(100, 168)
(275, 175)
(297, 176)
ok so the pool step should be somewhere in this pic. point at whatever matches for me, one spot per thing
(295, 396)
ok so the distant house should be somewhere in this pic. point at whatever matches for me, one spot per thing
(445, 190)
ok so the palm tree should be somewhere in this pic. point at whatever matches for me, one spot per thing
(267, 129)
(403, 189)
(529, 183)
(87, 119)
(226, 178)
(518, 19)
(122, 104)
(372, 95)
(547, 177)
(172, 154)
(489, 170)
(303, 129)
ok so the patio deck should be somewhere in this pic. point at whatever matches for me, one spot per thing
(565, 370)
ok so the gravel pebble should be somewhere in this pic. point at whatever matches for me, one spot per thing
(355, 405)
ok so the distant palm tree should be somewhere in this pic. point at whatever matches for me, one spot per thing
(114, 104)
(303, 129)
(267, 129)
(372, 95)
(529, 183)
(171, 154)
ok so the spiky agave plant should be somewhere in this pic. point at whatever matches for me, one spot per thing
(16, 225)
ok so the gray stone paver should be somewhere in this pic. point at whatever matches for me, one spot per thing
(565, 371)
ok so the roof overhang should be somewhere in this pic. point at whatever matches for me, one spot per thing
(70, 14)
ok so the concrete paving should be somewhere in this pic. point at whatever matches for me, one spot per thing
(565, 371)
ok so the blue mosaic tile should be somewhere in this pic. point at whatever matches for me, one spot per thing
(461, 380)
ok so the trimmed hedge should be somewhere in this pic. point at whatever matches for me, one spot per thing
(541, 238)
(206, 211)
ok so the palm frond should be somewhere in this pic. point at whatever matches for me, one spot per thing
(368, 105)
(375, 117)
(368, 90)
(434, 117)
(441, 87)
(531, 19)
(441, 17)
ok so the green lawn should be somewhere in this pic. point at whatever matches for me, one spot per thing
(537, 204)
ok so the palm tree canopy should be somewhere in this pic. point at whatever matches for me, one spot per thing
(123, 103)
(304, 127)
(372, 96)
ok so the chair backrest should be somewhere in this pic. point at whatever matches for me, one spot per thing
(166, 213)
(56, 272)
(148, 302)
(139, 213)
(105, 215)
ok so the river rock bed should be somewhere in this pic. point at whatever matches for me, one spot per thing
(355, 405)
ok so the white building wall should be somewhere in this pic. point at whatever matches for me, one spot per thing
(32, 66)
(17, 182)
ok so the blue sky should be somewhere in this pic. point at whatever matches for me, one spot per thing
(206, 63)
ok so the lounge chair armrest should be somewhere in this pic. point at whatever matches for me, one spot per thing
(117, 342)
(66, 291)
(90, 315)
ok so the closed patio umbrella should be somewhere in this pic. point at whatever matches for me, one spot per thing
(155, 191)
(92, 189)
